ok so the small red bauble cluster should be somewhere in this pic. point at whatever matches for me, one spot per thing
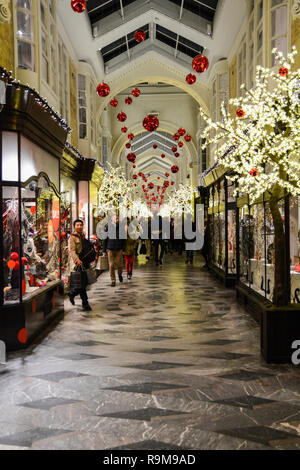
(128, 145)
(200, 63)
(134, 177)
(103, 90)
(162, 155)
(124, 130)
(140, 36)
(136, 92)
(240, 113)
(176, 136)
(180, 144)
(128, 100)
(130, 136)
(181, 131)
(154, 146)
(151, 123)
(283, 71)
(172, 183)
(114, 103)
(150, 185)
(187, 138)
(167, 174)
(177, 154)
(175, 169)
(131, 157)
(191, 78)
(174, 149)
(253, 172)
(78, 5)
(122, 117)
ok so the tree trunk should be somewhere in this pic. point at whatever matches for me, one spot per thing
(280, 293)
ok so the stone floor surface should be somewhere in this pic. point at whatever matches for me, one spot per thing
(168, 360)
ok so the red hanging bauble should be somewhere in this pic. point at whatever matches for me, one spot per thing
(130, 136)
(16, 266)
(163, 155)
(134, 177)
(150, 185)
(103, 89)
(128, 145)
(166, 184)
(187, 138)
(240, 113)
(14, 256)
(283, 71)
(24, 260)
(174, 148)
(181, 131)
(122, 117)
(140, 36)
(114, 103)
(200, 63)
(154, 146)
(172, 183)
(180, 144)
(167, 174)
(253, 172)
(131, 157)
(190, 78)
(124, 130)
(176, 136)
(33, 209)
(175, 169)
(177, 154)
(128, 100)
(136, 92)
(151, 123)
(78, 5)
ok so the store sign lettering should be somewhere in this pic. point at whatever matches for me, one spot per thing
(296, 354)
(2, 352)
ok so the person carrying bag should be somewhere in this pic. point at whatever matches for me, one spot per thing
(81, 255)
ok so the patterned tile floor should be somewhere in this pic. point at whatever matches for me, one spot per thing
(168, 360)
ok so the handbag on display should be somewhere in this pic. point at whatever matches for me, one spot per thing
(102, 263)
(91, 276)
(78, 279)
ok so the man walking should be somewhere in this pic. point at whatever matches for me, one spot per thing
(114, 247)
(77, 259)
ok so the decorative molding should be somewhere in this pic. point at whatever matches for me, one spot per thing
(296, 9)
(5, 13)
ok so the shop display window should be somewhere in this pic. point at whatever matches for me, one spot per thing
(295, 249)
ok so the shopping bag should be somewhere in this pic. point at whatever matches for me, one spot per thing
(102, 263)
(91, 276)
(78, 279)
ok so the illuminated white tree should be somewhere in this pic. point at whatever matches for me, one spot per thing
(261, 147)
(115, 192)
(180, 200)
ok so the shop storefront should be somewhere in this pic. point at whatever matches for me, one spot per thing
(32, 139)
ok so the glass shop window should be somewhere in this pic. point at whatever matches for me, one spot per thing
(279, 27)
(295, 248)
(82, 105)
(25, 35)
(40, 234)
(68, 213)
(12, 262)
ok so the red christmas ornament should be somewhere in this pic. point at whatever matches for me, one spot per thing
(190, 78)
(163, 155)
(128, 100)
(177, 154)
(78, 6)
(200, 63)
(158, 177)
(131, 157)
(103, 89)
(187, 138)
(130, 136)
(180, 144)
(122, 117)
(128, 145)
(155, 146)
(253, 172)
(134, 177)
(176, 136)
(133, 166)
(23, 260)
(140, 36)
(114, 103)
(166, 185)
(136, 92)
(16, 266)
(150, 185)
(14, 256)
(33, 209)
(172, 183)
(167, 174)
(240, 113)
(181, 131)
(124, 130)
(283, 71)
(151, 123)
(174, 148)
(175, 169)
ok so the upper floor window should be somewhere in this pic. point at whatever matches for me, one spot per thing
(25, 35)
(48, 43)
(63, 77)
(82, 106)
(279, 26)
(259, 33)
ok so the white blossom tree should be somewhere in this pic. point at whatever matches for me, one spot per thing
(115, 192)
(260, 146)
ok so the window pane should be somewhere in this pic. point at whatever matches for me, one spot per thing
(259, 38)
(24, 4)
(81, 82)
(45, 74)
(281, 45)
(25, 56)
(279, 21)
(43, 14)
(10, 156)
(82, 115)
(44, 43)
(260, 11)
(24, 22)
(82, 98)
(82, 131)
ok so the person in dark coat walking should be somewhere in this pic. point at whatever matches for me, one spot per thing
(114, 248)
